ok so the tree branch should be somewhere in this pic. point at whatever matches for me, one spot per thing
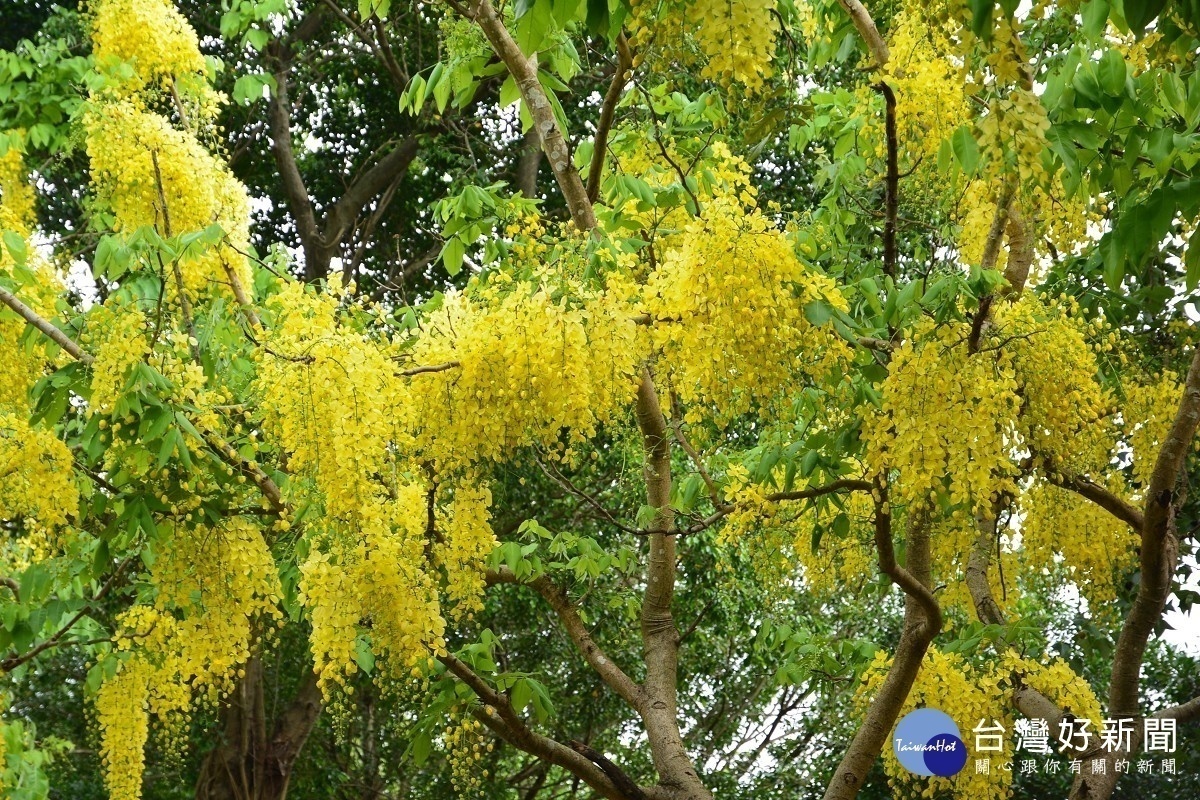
(524, 73)
(499, 716)
(1184, 712)
(580, 636)
(840, 485)
(922, 622)
(1159, 549)
(223, 448)
(607, 111)
(1117, 506)
(14, 661)
(892, 195)
(867, 30)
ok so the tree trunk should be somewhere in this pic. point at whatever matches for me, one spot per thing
(528, 163)
(248, 764)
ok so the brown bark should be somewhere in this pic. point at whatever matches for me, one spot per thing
(528, 164)
(1159, 554)
(660, 637)
(251, 763)
(554, 144)
(321, 238)
(607, 111)
(922, 622)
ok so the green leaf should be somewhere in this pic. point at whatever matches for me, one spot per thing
(598, 21)
(966, 149)
(818, 312)
(419, 747)
(509, 92)
(1191, 260)
(1111, 73)
(257, 38)
(363, 656)
(522, 695)
(1114, 261)
(981, 17)
(15, 243)
(1140, 13)
(1095, 16)
(452, 255)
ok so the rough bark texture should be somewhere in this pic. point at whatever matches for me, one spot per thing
(322, 238)
(524, 72)
(529, 162)
(251, 763)
(660, 637)
(1159, 555)
(922, 622)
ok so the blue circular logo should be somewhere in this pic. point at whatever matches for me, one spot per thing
(927, 742)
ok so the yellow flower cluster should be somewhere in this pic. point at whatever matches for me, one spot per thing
(1097, 549)
(116, 335)
(1055, 363)
(16, 194)
(778, 537)
(123, 716)
(968, 695)
(728, 302)
(330, 395)
(150, 35)
(38, 285)
(736, 38)
(466, 540)
(189, 186)
(1058, 682)
(1014, 131)
(37, 482)
(530, 366)
(143, 168)
(947, 420)
(222, 581)
(466, 747)
(373, 574)
(1148, 412)
(927, 78)
(360, 437)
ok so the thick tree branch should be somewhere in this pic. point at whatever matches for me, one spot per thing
(922, 622)
(340, 218)
(580, 636)
(524, 73)
(1117, 506)
(660, 637)
(1032, 703)
(46, 327)
(1159, 549)
(499, 716)
(1184, 712)
(279, 122)
(867, 30)
(607, 111)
